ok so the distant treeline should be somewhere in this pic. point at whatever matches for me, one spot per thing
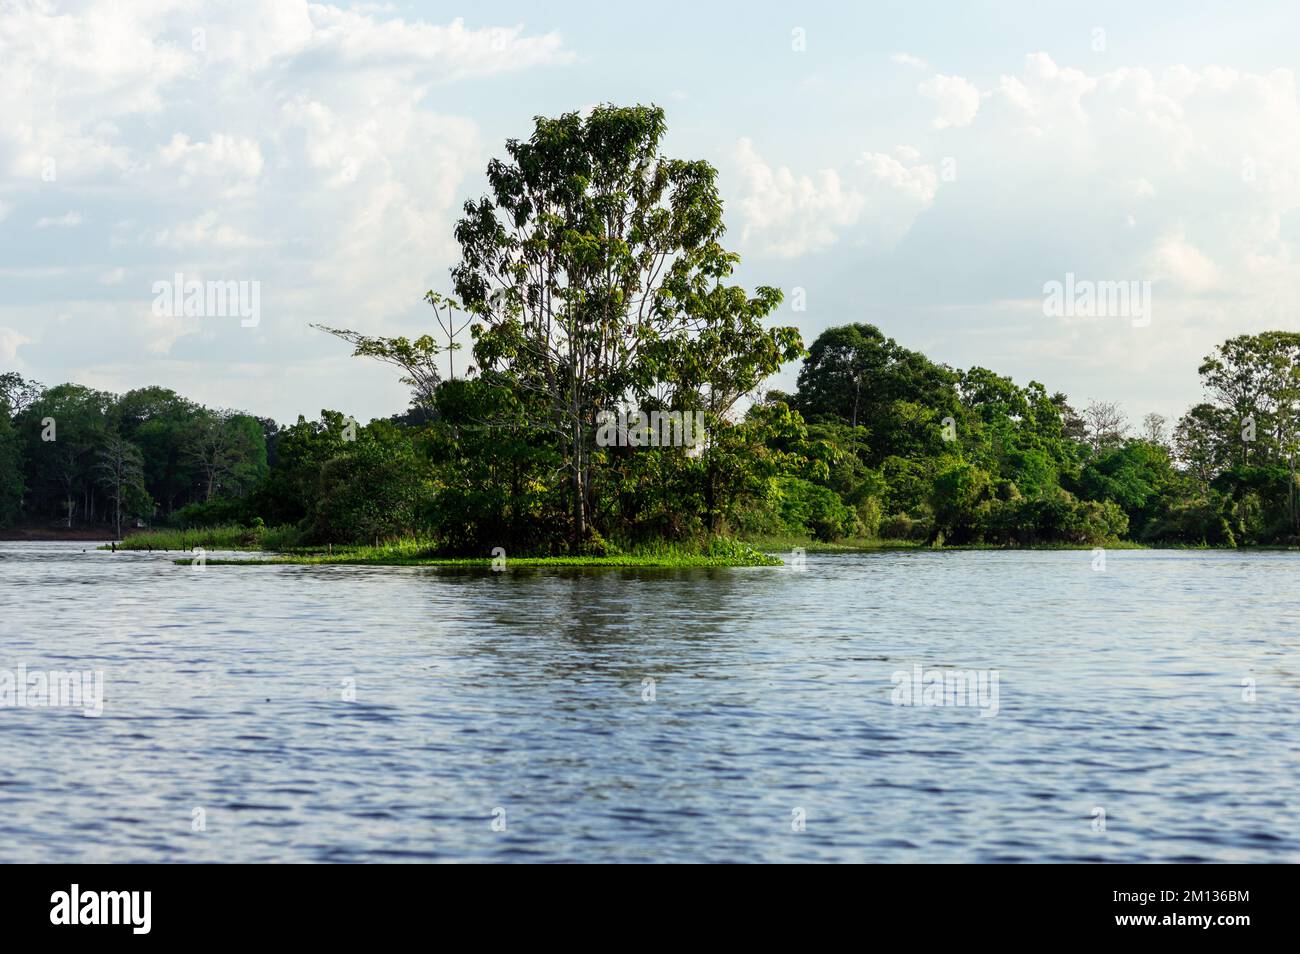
(878, 441)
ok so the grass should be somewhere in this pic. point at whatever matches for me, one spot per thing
(416, 552)
(286, 549)
(227, 537)
(786, 542)
(861, 544)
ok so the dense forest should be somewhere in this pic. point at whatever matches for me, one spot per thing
(878, 441)
(593, 279)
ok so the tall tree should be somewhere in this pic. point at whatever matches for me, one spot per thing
(12, 483)
(1256, 379)
(120, 469)
(597, 270)
(229, 451)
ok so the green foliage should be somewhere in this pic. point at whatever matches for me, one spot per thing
(212, 513)
(596, 270)
(12, 481)
(1056, 517)
(375, 488)
(955, 495)
(806, 507)
(1198, 521)
(230, 536)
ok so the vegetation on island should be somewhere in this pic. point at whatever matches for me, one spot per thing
(593, 278)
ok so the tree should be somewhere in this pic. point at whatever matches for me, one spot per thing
(12, 484)
(1256, 379)
(292, 487)
(597, 271)
(418, 358)
(373, 488)
(1134, 475)
(159, 421)
(229, 451)
(444, 311)
(1154, 428)
(1201, 443)
(855, 373)
(1105, 425)
(62, 428)
(17, 393)
(120, 469)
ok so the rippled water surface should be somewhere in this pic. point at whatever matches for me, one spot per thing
(522, 696)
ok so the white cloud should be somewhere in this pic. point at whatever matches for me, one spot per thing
(790, 215)
(10, 341)
(958, 99)
(68, 220)
(907, 59)
(305, 146)
(787, 214)
(205, 230)
(224, 156)
(1176, 260)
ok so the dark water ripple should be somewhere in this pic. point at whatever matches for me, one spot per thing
(523, 690)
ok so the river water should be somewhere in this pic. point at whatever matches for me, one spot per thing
(1144, 711)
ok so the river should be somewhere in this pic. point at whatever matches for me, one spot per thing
(1142, 711)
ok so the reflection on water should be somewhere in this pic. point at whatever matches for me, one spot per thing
(633, 715)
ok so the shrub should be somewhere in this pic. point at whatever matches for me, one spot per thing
(220, 511)
(902, 527)
(810, 508)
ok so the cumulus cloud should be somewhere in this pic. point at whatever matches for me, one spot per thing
(787, 214)
(206, 230)
(68, 220)
(10, 341)
(907, 59)
(958, 99)
(1181, 177)
(305, 146)
(223, 156)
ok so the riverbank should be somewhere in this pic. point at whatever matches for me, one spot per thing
(624, 560)
(55, 534)
(717, 553)
(870, 544)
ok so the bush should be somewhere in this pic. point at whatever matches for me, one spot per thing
(902, 527)
(1197, 522)
(809, 508)
(869, 516)
(375, 489)
(220, 511)
(1051, 518)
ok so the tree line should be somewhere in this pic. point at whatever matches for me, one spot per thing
(593, 279)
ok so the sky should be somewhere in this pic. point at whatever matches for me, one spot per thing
(930, 168)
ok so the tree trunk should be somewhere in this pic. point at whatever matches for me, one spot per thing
(579, 493)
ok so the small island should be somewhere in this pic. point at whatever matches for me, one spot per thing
(613, 409)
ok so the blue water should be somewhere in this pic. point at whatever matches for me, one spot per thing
(522, 699)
